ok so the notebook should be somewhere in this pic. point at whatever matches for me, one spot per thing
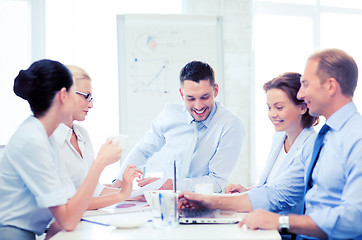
(190, 216)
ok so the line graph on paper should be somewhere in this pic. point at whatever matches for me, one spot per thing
(152, 49)
(152, 68)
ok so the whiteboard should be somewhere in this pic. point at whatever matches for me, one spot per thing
(152, 49)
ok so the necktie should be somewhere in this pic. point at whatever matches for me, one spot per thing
(318, 144)
(189, 152)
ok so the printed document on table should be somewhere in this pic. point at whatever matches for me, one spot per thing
(152, 186)
(129, 206)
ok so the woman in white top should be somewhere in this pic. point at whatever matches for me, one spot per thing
(292, 123)
(33, 186)
(75, 148)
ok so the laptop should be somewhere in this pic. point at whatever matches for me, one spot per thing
(191, 215)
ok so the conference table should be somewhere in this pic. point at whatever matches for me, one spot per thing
(99, 225)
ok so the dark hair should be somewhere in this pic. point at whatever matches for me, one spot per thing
(40, 83)
(196, 71)
(289, 82)
(337, 64)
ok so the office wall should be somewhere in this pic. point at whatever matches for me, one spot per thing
(93, 46)
(152, 49)
(237, 50)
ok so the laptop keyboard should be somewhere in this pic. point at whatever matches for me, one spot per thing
(197, 213)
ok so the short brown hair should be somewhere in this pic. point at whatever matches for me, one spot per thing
(339, 65)
(196, 71)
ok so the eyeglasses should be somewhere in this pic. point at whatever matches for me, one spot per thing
(87, 96)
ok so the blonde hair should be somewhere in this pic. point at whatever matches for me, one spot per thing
(78, 73)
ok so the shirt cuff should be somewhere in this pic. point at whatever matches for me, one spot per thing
(326, 220)
(259, 198)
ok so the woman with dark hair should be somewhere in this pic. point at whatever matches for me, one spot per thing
(292, 123)
(34, 184)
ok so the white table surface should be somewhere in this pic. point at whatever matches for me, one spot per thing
(87, 230)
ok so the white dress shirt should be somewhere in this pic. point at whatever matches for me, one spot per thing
(77, 166)
(278, 166)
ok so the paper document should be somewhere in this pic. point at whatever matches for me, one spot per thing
(152, 186)
(122, 207)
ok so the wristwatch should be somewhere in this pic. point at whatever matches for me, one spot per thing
(284, 224)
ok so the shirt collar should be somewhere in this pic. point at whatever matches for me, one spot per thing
(78, 133)
(207, 121)
(337, 120)
(62, 134)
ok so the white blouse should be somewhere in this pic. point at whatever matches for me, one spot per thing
(279, 163)
(77, 166)
(31, 179)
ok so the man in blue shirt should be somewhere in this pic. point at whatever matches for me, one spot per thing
(202, 136)
(333, 202)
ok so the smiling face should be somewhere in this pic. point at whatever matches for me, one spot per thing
(283, 113)
(199, 98)
(82, 85)
(312, 91)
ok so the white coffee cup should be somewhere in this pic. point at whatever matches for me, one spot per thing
(204, 188)
(121, 140)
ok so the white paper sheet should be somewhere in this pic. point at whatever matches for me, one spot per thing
(152, 186)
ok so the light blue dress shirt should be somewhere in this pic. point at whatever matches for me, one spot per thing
(335, 200)
(274, 195)
(219, 142)
(31, 179)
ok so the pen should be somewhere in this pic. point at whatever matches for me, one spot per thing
(103, 224)
(174, 176)
(161, 207)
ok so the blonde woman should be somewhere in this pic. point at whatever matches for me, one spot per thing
(75, 147)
